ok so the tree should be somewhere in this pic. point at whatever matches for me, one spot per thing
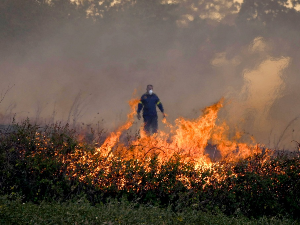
(268, 18)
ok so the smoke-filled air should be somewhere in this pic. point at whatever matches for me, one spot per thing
(81, 62)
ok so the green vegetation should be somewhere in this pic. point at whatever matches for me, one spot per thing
(81, 212)
(35, 174)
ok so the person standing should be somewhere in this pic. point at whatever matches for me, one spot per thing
(148, 103)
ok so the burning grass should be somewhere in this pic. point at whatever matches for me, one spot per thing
(167, 169)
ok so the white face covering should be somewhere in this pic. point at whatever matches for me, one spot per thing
(150, 92)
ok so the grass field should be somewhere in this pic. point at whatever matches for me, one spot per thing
(81, 212)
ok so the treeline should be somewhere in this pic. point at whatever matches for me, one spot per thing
(30, 21)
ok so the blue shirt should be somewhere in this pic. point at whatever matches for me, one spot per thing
(148, 103)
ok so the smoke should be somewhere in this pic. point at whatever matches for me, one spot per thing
(251, 106)
(86, 73)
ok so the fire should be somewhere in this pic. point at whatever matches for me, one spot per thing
(188, 139)
(113, 138)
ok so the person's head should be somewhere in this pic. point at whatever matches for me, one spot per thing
(150, 89)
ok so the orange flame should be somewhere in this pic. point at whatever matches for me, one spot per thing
(187, 139)
(113, 138)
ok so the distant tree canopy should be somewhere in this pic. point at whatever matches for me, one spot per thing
(192, 22)
(272, 15)
(19, 18)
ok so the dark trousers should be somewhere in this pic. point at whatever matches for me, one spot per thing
(150, 124)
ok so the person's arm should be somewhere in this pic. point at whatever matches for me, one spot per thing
(160, 106)
(140, 107)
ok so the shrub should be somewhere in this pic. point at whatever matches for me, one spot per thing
(44, 164)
